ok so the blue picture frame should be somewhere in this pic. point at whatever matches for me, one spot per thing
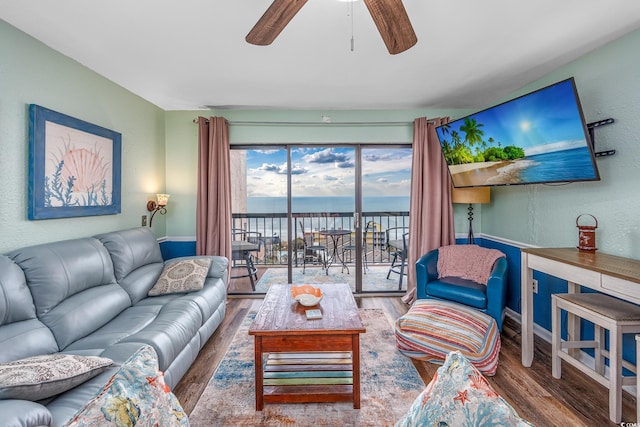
(74, 167)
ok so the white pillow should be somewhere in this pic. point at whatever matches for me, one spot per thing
(39, 377)
(182, 276)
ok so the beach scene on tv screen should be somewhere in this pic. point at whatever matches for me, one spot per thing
(539, 137)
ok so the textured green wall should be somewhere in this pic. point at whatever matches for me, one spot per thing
(608, 81)
(182, 144)
(32, 73)
(538, 215)
(160, 147)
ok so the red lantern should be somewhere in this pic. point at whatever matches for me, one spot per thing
(587, 234)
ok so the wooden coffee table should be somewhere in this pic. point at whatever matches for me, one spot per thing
(308, 360)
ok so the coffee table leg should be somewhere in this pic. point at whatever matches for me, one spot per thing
(259, 373)
(355, 358)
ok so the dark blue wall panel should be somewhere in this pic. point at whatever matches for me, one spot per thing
(541, 301)
(171, 249)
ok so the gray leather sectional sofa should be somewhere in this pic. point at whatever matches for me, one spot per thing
(88, 297)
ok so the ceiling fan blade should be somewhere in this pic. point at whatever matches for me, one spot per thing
(273, 21)
(393, 24)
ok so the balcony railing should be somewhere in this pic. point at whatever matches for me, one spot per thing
(273, 231)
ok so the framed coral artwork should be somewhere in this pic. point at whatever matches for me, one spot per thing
(74, 166)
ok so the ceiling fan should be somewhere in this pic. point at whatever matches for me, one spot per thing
(389, 16)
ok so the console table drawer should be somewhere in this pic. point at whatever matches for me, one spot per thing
(621, 288)
(565, 271)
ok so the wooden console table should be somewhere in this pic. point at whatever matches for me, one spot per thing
(609, 274)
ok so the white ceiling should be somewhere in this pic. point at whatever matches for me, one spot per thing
(190, 54)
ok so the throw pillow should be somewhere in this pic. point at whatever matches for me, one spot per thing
(458, 395)
(39, 377)
(182, 276)
(135, 395)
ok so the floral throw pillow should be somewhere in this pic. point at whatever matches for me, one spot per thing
(458, 395)
(135, 395)
(39, 377)
(182, 276)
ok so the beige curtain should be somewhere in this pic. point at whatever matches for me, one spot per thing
(431, 211)
(213, 208)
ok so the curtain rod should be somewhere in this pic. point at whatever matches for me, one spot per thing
(265, 123)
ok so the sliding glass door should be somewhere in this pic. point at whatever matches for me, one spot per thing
(321, 214)
(259, 206)
(386, 187)
(323, 206)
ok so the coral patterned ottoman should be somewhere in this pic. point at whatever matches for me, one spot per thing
(431, 329)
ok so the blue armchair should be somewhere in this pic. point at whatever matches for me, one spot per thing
(490, 299)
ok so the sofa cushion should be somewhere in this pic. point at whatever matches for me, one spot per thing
(40, 377)
(24, 339)
(131, 250)
(458, 395)
(21, 333)
(176, 324)
(431, 329)
(15, 298)
(135, 395)
(129, 322)
(182, 276)
(73, 286)
(24, 413)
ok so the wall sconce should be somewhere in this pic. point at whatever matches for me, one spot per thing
(471, 195)
(159, 206)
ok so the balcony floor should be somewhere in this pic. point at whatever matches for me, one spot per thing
(375, 279)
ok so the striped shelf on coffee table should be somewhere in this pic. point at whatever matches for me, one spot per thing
(307, 369)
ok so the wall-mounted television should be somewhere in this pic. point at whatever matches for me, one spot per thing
(540, 137)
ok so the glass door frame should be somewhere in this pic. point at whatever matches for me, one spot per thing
(357, 202)
(357, 194)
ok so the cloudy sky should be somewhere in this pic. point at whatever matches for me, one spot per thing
(322, 171)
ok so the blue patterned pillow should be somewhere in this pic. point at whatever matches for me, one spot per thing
(135, 395)
(458, 395)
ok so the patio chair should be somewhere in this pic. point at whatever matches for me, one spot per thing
(313, 252)
(397, 246)
(369, 228)
(243, 245)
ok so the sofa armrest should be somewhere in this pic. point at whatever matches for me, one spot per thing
(426, 271)
(497, 290)
(23, 413)
(218, 269)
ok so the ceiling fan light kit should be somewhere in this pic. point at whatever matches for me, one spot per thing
(390, 18)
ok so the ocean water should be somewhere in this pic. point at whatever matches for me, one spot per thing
(387, 211)
(327, 204)
(566, 165)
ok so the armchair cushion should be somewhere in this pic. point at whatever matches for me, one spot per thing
(464, 291)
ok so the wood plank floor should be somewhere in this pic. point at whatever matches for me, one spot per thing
(571, 401)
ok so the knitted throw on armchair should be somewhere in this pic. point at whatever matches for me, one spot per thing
(469, 262)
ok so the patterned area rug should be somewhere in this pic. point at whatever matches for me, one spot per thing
(374, 281)
(389, 384)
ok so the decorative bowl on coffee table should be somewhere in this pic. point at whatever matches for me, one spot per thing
(306, 295)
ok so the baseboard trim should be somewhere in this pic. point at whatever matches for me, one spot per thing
(537, 329)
